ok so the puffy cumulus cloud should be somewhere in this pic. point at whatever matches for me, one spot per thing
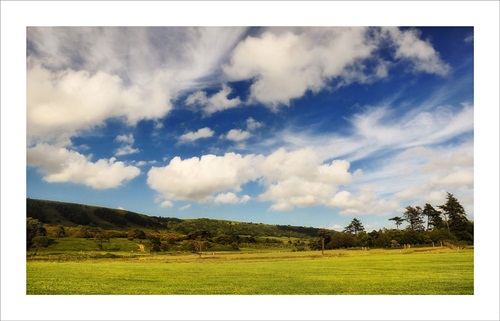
(420, 53)
(128, 139)
(306, 164)
(58, 164)
(197, 179)
(226, 198)
(77, 78)
(364, 203)
(126, 148)
(214, 103)
(237, 135)
(166, 203)
(252, 124)
(66, 102)
(230, 198)
(285, 63)
(299, 178)
(245, 199)
(204, 132)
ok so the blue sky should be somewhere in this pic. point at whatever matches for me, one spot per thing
(281, 125)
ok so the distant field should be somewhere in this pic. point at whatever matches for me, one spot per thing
(416, 271)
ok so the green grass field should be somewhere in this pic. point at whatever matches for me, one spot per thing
(435, 271)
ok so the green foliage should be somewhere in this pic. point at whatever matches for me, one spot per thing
(397, 220)
(34, 228)
(342, 240)
(354, 227)
(111, 216)
(100, 237)
(141, 220)
(457, 218)
(434, 219)
(136, 234)
(154, 243)
(42, 241)
(36, 210)
(414, 216)
(73, 213)
(184, 235)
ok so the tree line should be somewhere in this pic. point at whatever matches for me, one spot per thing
(448, 224)
(427, 225)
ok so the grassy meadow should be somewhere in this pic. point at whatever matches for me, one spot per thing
(437, 271)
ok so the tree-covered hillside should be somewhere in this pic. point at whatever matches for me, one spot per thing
(73, 215)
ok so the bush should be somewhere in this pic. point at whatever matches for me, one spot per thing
(42, 241)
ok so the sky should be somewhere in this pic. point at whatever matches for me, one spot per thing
(309, 126)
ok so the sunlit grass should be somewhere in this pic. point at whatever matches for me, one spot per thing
(338, 272)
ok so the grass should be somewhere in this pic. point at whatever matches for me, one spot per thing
(431, 271)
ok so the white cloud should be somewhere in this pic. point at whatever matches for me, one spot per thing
(421, 53)
(166, 204)
(230, 198)
(67, 102)
(198, 179)
(382, 129)
(245, 199)
(215, 103)
(226, 198)
(252, 124)
(285, 63)
(296, 178)
(419, 175)
(185, 207)
(126, 148)
(237, 135)
(200, 133)
(366, 203)
(58, 164)
(77, 78)
(336, 227)
(127, 139)
(299, 178)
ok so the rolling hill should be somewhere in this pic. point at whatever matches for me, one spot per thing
(71, 214)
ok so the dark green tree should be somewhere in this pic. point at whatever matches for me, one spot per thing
(354, 227)
(458, 223)
(60, 231)
(34, 228)
(154, 243)
(199, 237)
(413, 215)
(434, 219)
(342, 240)
(100, 237)
(398, 220)
(86, 232)
(41, 241)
